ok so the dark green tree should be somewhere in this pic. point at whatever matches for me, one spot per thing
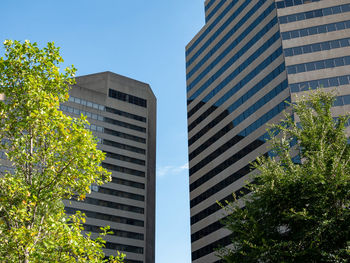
(297, 212)
(53, 157)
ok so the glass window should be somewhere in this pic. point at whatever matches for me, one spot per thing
(340, 25)
(346, 8)
(338, 101)
(327, 11)
(313, 30)
(89, 104)
(76, 111)
(318, 13)
(310, 66)
(314, 84)
(343, 80)
(320, 65)
(294, 87)
(283, 20)
(326, 46)
(344, 42)
(322, 29)
(339, 62)
(100, 107)
(324, 83)
(346, 99)
(335, 44)
(291, 70)
(336, 10)
(280, 4)
(331, 27)
(83, 102)
(298, 2)
(292, 18)
(95, 106)
(316, 47)
(301, 68)
(297, 51)
(304, 86)
(77, 100)
(288, 3)
(309, 14)
(329, 63)
(333, 82)
(347, 60)
(300, 16)
(304, 32)
(294, 34)
(307, 49)
(288, 52)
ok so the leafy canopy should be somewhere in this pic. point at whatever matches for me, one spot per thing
(50, 157)
(297, 212)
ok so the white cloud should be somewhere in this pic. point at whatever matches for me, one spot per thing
(171, 170)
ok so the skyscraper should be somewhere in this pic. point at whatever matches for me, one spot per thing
(250, 59)
(122, 114)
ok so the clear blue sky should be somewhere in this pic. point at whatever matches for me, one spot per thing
(140, 39)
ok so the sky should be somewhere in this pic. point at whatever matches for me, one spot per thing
(140, 39)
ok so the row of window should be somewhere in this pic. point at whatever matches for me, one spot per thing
(245, 132)
(261, 84)
(107, 109)
(128, 183)
(241, 68)
(129, 208)
(126, 114)
(214, 11)
(327, 45)
(121, 169)
(320, 83)
(209, 4)
(108, 191)
(315, 30)
(101, 216)
(215, 207)
(276, 72)
(124, 248)
(116, 232)
(127, 98)
(210, 28)
(247, 78)
(101, 118)
(232, 47)
(123, 146)
(223, 242)
(288, 3)
(244, 115)
(222, 28)
(317, 65)
(124, 158)
(234, 106)
(124, 135)
(315, 13)
(87, 103)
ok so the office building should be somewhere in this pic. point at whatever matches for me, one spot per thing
(250, 58)
(122, 115)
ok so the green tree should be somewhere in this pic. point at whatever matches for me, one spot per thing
(53, 157)
(297, 212)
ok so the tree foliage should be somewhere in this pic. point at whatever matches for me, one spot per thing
(53, 157)
(297, 212)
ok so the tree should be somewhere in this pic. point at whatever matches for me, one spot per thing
(297, 212)
(53, 157)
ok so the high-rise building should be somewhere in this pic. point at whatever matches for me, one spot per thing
(250, 59)
(122, 115)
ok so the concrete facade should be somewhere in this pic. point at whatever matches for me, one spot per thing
(247, 60)
(122, 115)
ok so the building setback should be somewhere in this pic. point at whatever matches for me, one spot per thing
(122, 115)
(250, 59)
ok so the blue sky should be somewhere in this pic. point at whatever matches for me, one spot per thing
(140, 39)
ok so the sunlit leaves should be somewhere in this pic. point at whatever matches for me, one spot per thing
(54, 157)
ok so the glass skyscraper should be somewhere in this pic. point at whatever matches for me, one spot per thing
(250, 59)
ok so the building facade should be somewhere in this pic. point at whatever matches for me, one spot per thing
(122, 115)
(249, 60)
